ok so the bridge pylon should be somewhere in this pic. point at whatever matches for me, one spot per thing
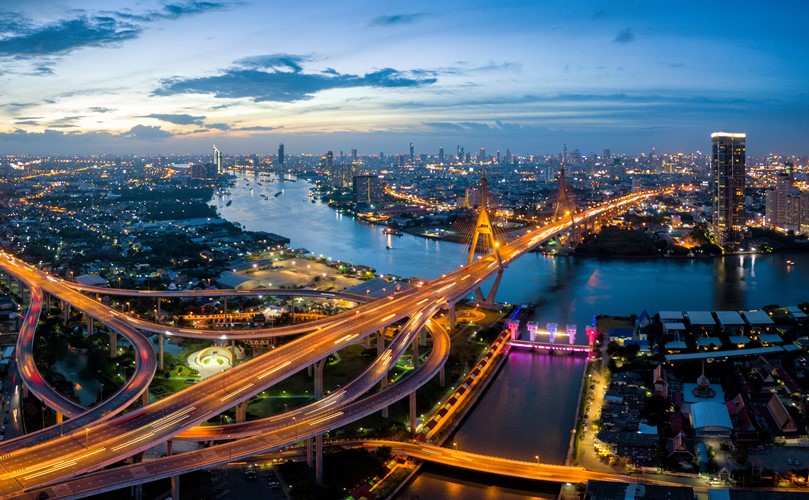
(565, 206)
(483, 229)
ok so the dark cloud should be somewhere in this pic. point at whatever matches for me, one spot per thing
(624, 36)
(23, 37)
(176, 10)
(218, 126)
(146, 132)
(280, 79)
(278, 62)
(26, 122)
(395, 19)
(99, 109)
(66, 35)
(179, 119)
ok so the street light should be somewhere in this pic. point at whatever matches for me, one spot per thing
(536, 457)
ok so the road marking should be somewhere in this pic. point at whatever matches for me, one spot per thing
(389, 316)
(273, 370)
(237, 391)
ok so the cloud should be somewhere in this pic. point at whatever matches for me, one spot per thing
(146, 132)
(218, 126)
(280, 78)
(99, 109)
(277, 62)
(395, 19)
(23, 37)
(256, 128)
(624, 36)
(179, 119)
(66, 35)
(176, 10)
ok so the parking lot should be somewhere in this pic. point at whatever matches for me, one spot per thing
(248, 482)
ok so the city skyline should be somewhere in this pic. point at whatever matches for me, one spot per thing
(93, 77)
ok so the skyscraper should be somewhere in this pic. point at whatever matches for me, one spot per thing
(412, 155)
(281, 158)
(441, 154)
(728, 165)
(217, 160)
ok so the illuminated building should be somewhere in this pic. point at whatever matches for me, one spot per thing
(217, 160)
(369, 189)
(728, 165)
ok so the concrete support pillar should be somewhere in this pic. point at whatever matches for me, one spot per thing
(48, 303)
(67, 311)
(160, 348)
(175, 486)
(514, 329)
(415, 353)
(367, 342)
(59, 417)
(137, 490)
(318, 368)
(413, 412)
(158, 309)
(24, 391)
(241, 412)
(451, 315)
(319, 459)
(442, 377)
(113, 343)
(89, 326)
(144, 398)
(310, 459)
(423, 337)
(380, 343)
(532, 331)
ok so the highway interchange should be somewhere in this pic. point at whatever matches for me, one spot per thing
(97, 437)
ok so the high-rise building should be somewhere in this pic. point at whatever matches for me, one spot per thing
(441, 154)
(354, 155)
(728, 165)
(412, 154)
(217, 160)
(368, 189)
(281, 158)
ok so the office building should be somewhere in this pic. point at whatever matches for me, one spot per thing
(368, 189)
(412, 154)
(728, 166)
(217, 160)
(281, 158)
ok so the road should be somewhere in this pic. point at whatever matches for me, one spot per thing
(105, 442)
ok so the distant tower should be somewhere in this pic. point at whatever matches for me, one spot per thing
(412, 154)
(441, 154)
(281, 158)
(329, 160)
(563, 202)
(728, 165)
(354, 155)
(217, 160)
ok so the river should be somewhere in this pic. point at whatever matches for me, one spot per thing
(529, 408)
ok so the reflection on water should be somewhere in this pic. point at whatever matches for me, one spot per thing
(529, 408)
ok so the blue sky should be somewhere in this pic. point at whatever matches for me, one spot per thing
(154, 76)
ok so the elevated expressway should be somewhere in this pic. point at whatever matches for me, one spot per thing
(103, 443)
